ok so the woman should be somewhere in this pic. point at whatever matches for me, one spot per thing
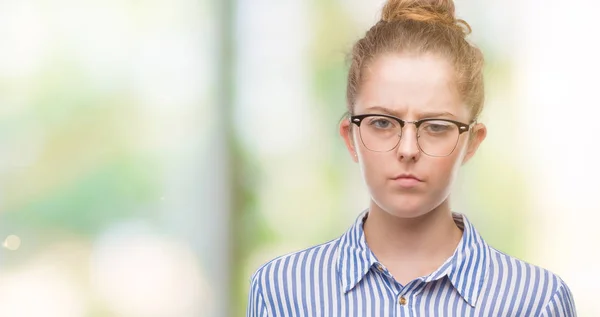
(415, 90)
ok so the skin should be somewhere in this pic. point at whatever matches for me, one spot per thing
(410, 229)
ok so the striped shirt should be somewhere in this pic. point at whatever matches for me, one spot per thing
(344, 278)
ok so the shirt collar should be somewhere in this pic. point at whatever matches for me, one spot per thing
(355, 258)
(466, 269)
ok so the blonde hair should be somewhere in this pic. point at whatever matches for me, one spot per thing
(421, 26)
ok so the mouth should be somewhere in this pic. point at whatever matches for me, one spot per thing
(407, 176)
(406, 180)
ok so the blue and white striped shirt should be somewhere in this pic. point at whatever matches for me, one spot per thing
(343, 278)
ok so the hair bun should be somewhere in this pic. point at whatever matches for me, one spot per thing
(431, 11)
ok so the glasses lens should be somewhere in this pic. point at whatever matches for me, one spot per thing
(438, 138)
(380, 134)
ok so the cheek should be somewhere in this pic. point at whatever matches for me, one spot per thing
(445, 169)
(440, 171)
(372, 165)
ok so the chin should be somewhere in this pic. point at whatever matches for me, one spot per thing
(412, 208)
(406, 206)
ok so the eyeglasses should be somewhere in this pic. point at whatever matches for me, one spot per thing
(435, 137)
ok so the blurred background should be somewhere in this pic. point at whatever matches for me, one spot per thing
(153, 154)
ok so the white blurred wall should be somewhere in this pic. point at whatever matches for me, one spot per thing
(558, 93)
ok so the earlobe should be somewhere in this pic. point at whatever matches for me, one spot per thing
(475, 139)
(346, 134)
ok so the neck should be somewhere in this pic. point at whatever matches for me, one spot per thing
(424, 242)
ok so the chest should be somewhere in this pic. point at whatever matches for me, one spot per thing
(379, 295)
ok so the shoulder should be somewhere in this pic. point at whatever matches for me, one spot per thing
(305, 264)
(531, 286)
(507, 267)
(289, 282)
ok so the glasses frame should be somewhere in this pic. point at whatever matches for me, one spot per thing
(462, 127)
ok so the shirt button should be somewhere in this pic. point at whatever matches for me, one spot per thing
(380, 268)
(402, 301)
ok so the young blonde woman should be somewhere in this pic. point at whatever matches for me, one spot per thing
(415, 90)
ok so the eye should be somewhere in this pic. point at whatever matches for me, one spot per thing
(381, 123)
(437, 127)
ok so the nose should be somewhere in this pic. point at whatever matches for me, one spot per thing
(408, 148)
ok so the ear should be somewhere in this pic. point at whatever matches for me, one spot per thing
(478, 134)
(346, 132)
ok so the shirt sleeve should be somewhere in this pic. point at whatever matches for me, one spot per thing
(256, 303)
(561, 304)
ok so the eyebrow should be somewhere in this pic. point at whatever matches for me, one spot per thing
(421, 115)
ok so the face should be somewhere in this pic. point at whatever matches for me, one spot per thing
(405, 182)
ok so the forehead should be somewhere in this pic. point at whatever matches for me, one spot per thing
(410, 85)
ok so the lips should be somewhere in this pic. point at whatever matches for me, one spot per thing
(407, 176)
(406, 180)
